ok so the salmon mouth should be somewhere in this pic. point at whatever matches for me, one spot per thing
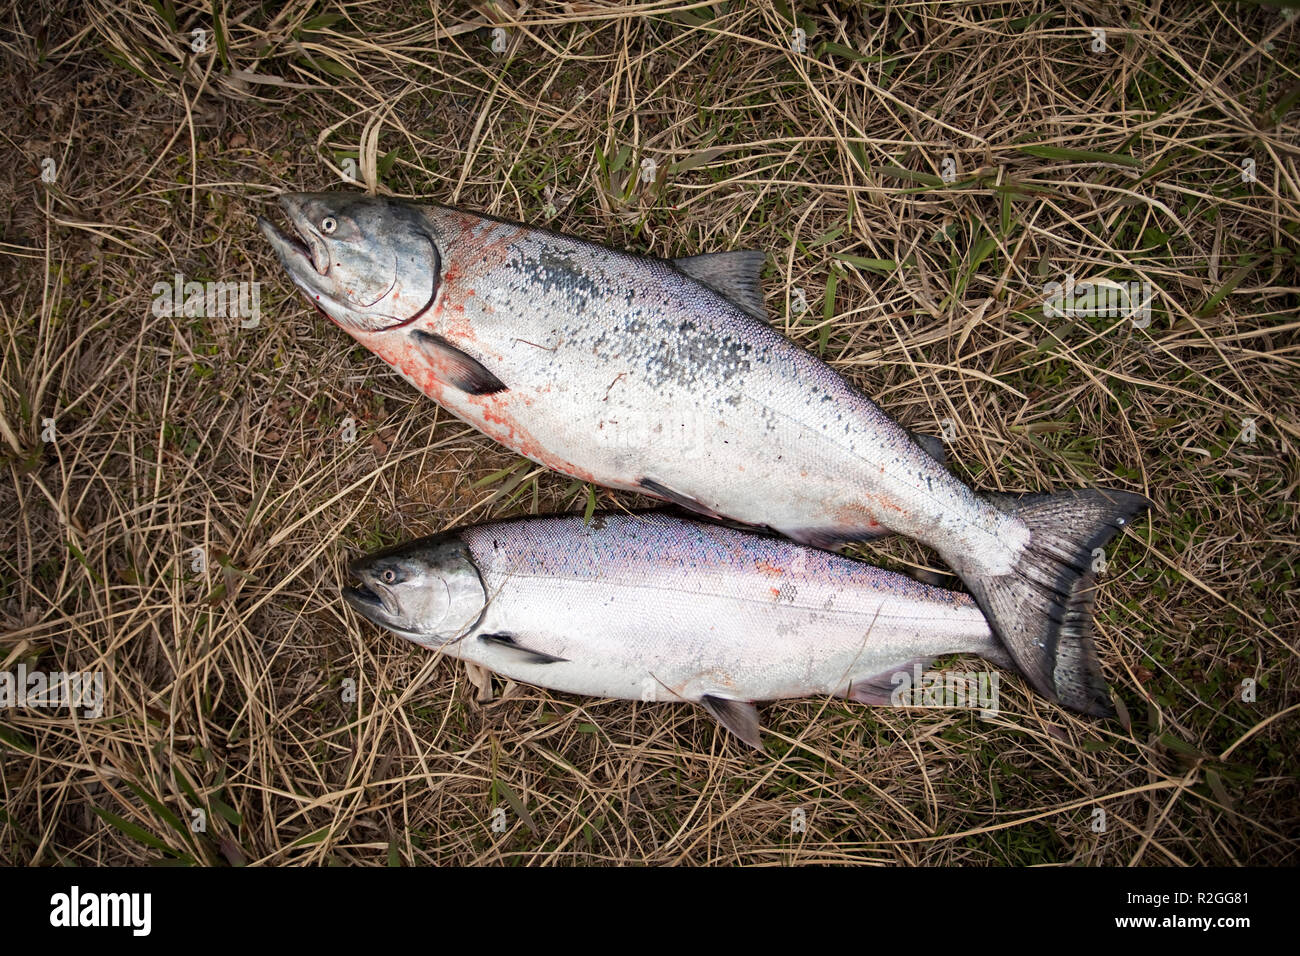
(374, 608)
(297, 250)
(371, 601)
(362, 596)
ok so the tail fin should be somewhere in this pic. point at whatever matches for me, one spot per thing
(1042, 609)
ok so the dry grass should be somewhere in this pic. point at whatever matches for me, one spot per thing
(224, 688)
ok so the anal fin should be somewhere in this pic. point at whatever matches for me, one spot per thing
(828, 539)
(738, 716)
(459, 369)
(879, 689)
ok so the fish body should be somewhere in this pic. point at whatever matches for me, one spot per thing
(662, 377)
(654, 607)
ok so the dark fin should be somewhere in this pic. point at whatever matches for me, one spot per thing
(694, 514)
(733, 275)
(650, 486)
(933, 445)
(829, 539)
(1042, 610)
(738, 716)
(527, 654)
(933, 578)
(878, 689)
(465, 373)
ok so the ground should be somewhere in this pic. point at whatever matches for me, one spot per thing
(179, 497)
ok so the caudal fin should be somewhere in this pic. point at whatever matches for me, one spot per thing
(1042, 609)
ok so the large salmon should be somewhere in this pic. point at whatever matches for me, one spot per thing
(662, 376)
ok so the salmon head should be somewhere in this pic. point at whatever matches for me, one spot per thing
(428, 591)
(368, 262)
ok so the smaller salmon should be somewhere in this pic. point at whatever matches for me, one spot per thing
(659, 608)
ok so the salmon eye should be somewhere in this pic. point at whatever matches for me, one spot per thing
(389, 576)
(328, 225)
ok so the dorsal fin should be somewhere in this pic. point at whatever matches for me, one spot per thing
(733, 275)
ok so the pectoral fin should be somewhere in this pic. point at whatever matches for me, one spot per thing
(733, 275)
(527, 654)
(738, 716)
(455, 367)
